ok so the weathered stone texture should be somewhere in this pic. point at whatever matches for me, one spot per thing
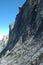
(26, 36)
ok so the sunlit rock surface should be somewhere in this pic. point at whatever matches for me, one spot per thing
(25, 44)
(3, 42)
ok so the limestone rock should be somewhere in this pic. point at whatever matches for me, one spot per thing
(25, 44)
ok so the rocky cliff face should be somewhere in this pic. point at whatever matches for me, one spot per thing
(25, 44)
(3, 42)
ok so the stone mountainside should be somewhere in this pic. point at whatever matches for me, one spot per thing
(3, 42)
(25, 44)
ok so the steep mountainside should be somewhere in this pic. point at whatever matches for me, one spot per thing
(3, 42)
(25, 44)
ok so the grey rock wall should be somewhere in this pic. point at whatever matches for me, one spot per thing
(25, 44)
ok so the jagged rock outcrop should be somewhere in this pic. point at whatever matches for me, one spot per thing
(25, 44)
(3, 42)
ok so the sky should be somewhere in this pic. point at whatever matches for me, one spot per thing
(8, 11)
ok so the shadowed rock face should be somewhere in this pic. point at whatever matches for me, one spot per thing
(25, 42)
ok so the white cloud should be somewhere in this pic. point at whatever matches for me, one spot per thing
(1, 35)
